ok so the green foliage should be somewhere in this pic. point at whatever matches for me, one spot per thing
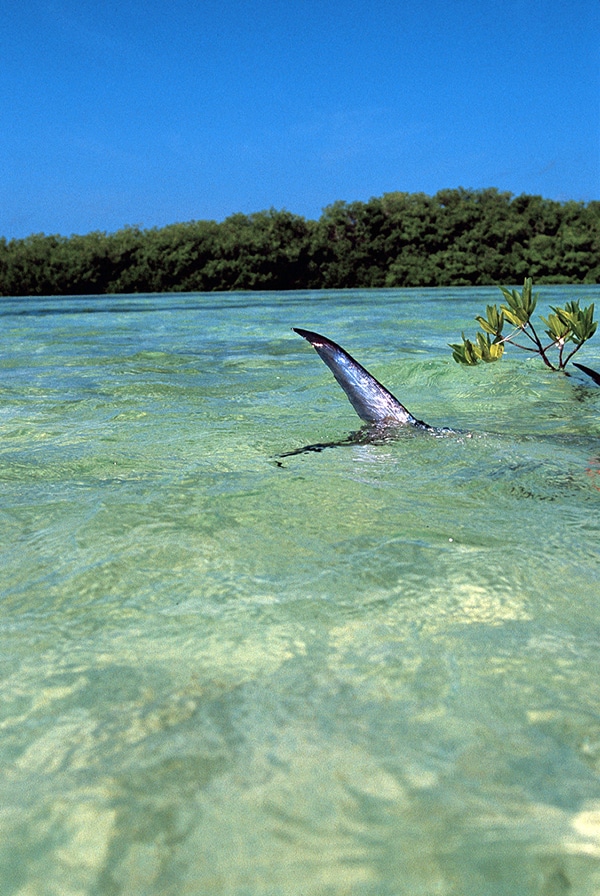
(457, 237)
(493, 323)
(571, 323)
(564, 325)
(484, 349)
(520, 306)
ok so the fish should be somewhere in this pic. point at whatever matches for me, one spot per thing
(370, 399)
(591, 373)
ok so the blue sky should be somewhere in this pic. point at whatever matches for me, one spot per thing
(138, 112)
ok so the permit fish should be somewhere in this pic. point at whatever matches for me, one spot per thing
(372, 402)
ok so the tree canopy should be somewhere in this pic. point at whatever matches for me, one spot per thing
(457, 237)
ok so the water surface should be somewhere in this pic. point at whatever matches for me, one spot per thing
(370, 670)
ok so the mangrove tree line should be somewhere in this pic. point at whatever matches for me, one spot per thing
(457, 237)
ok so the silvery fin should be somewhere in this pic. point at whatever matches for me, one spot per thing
(372, 402)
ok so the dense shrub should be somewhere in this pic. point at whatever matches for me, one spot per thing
(457, 237)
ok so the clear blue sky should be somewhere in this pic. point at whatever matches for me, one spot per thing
(139, 112)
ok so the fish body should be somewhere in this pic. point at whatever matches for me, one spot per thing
(372, 402)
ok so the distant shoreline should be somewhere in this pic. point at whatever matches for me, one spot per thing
(458, 237)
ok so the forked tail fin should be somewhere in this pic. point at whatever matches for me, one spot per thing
(371, 401)
(591, 373)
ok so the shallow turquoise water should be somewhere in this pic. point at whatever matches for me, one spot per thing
(369, 670)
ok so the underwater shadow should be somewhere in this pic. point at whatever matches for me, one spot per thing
(373, 434)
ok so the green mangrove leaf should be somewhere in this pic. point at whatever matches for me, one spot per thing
(466, 353)
(518, 318)
(489, 351)
(556, 328)
(494, 321)
(496, 351)
(520, 305)
(570, 323)
(578, 321)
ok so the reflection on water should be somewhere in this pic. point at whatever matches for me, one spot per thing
(231, 665)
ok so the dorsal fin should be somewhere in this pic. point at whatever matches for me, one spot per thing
(371, 401)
